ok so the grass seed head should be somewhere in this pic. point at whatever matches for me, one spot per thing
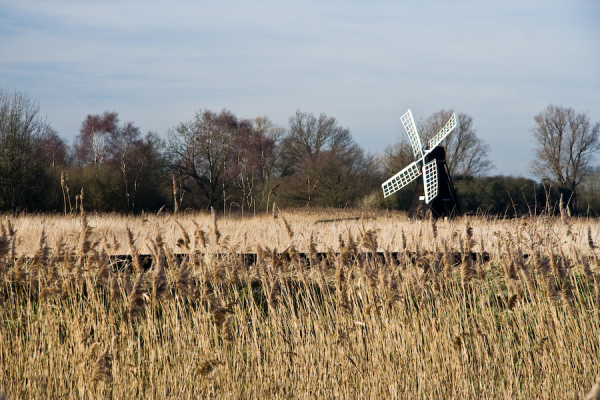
(4, 242)
(467, 272)
(199, 235)
(115, 293)
(540, 346)
(135, 256)
(434, 229)
(205, 367)
(184, 279)
(84, 236)
(137, 300)
(104, 269)
(103, 369)
(288, 228)
(275, 295)
(160, 278)
(185, 241)
(512, 301)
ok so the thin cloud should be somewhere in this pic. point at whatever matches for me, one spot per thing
(156, 63)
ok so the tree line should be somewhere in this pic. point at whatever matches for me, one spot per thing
(247, 165)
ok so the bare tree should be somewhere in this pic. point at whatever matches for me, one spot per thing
(466, 153)
(201, 151)
(21, 130)
(52, 151)
(270, 136)
(92, 144)
(116, 162)
(255, 154)
(566, 142)
(396, 157)
(321, 163)
(143, 169)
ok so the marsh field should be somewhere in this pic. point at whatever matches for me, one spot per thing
(298, 304)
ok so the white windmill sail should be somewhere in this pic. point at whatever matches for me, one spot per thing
(413, 135)
(401, 179)
(430, 181)
(419, 166)
(445, 131)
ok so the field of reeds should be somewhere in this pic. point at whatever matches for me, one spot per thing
(298, 304)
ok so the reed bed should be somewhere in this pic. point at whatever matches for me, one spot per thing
(380, 307)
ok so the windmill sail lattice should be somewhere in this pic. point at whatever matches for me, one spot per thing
(413, 135)
(437, 139)
(430, 181)
(420, 166)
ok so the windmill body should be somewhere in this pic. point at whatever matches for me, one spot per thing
(430, 167)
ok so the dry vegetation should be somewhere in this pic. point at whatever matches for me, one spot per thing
(426, 318)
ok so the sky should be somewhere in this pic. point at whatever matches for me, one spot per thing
(156, 63)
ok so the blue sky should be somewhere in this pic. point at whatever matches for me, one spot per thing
(365, 63)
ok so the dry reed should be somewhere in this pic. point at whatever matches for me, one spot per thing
(394, 309)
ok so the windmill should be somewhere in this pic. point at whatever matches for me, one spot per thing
(430, 164)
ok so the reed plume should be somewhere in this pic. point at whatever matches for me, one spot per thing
(434, 229)
(115, 293)
(449, 261)
(288, 229)
(135, 257)
(199, 235)
(312, 250)
(4, 251)
(512, 301)
(104, 269)
(557, 266)
(13, 243)
(585, 263)
(115, 244)
(227, 329)
(4, 242)
(220, 312)
(275, 294)
(160, 278)
(340, 275)
(127, 279)
(369, 241)
(467, 272)
(591, 244)
(185, 238)
(103, 368)
(551, 289)
(205, 367)
(469, 242)
(84, 236)
(137, 299)
(541, 262)
(184, 279)
(40, 258)
(566, 294)
(352, 246)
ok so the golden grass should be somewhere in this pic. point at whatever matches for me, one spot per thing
(428, 322)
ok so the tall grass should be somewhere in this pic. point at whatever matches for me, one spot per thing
(427, 317)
